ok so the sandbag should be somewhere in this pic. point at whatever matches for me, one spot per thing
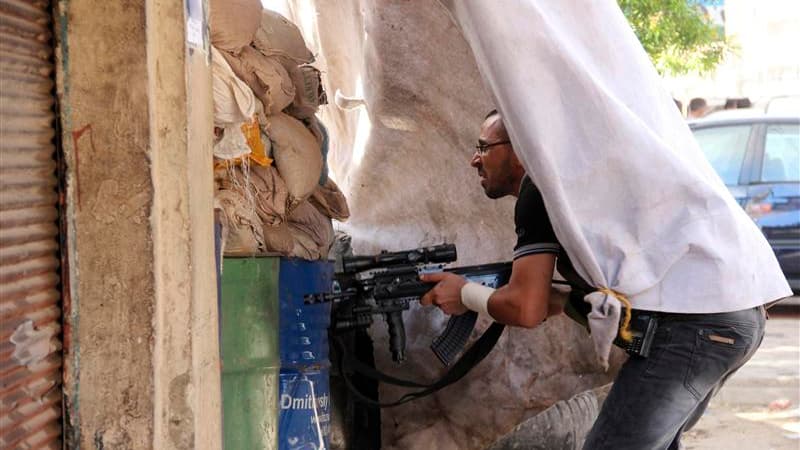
(233, 23)
(278, 239)
(261, 184)
(324, 149)
(234, 101)
(277, 36)
(265, 75)
(306, 218)
(241, 227)
(297, 156)
(307, 234)
(270, 194)
(309, 93)
(304, 246)
(330, 201)
(233, 143)
(234, 154)
(316, 128)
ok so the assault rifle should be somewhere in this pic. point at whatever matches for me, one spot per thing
(385, 284)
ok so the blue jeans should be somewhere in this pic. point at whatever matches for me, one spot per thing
(655, 399)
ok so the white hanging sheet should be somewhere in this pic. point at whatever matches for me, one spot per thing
(632, 199)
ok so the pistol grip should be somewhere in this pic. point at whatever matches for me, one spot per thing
(449, 344)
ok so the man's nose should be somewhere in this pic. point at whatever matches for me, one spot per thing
(475, 161)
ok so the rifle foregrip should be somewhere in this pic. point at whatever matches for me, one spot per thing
(449, 344)
(397, 335)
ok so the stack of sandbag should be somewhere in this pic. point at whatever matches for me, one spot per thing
(269, 155)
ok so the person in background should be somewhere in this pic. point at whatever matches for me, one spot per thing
(743, 103)
(697, 108)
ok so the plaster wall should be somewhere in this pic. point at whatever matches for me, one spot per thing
(142, 368)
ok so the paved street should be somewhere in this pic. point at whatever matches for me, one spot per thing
(759, 408)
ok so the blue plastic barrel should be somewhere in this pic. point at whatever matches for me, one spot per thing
(304, 393)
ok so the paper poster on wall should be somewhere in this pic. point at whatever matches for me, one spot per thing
(196, 24)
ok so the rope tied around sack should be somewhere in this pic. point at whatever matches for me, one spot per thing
(625, 329)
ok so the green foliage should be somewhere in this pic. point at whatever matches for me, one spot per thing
(676, 35)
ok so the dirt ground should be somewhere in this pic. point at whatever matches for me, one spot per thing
(759, 407)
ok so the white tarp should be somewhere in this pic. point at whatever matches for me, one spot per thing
(631, 197)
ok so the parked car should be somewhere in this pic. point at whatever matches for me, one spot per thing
(758, 158)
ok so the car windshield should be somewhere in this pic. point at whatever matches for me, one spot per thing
(725, 147)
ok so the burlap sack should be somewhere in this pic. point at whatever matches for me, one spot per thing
(234, 101)
(330, 201)
(264, 187)
(234, 23)
(306, 218)
(265, 75)
(233, 143)
(309, 93)
(315, 127)
(277, 36)
(304, 245)
(270, 194)
(308, 234)
(278, 239)
(241, 227)
(297, 156)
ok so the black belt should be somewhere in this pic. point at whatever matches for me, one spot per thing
(694, 316)
(576, 299)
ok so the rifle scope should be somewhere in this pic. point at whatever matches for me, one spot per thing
(445, 253)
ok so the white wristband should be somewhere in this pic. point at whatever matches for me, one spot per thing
(476, 297)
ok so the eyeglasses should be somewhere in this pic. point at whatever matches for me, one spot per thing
(482, 149)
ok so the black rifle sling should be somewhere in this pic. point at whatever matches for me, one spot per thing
(474, 355)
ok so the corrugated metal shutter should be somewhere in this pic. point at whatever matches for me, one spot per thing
(30, 331)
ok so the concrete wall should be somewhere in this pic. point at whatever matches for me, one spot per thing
(142, 366)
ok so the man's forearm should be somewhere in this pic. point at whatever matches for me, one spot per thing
(507, 305)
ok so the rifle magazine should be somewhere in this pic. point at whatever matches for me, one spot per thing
(451, 342)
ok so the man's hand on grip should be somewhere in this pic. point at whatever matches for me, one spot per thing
(447, 292)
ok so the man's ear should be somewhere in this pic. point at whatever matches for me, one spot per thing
(515, 162)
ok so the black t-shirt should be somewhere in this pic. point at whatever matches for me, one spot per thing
(535, 232)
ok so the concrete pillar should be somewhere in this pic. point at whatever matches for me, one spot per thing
(141, 329)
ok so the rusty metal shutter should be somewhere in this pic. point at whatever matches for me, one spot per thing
(30, 331)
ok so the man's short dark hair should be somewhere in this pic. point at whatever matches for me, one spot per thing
(503, 131)
(697, 104)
